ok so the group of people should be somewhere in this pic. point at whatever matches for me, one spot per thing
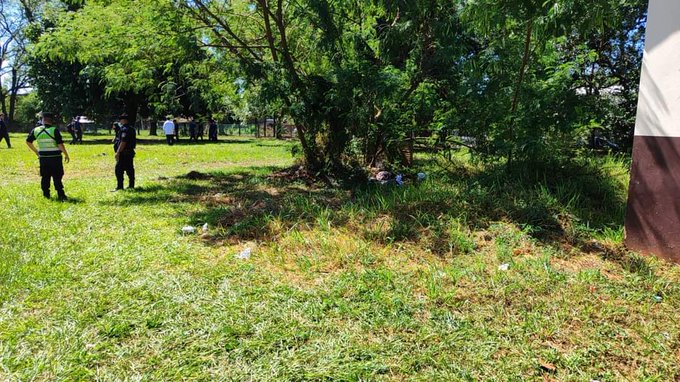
(196, 130)
(47, 143)
(75, 128)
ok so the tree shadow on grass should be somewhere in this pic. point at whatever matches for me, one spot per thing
(552, 200)
(70, 200)
(553, 205)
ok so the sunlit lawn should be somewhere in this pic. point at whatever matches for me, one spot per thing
(377, 283)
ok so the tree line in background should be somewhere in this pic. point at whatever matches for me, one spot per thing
(518, 80)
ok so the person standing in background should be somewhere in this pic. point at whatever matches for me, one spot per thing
(4, 131)
(78, 127)
(192, 130)
(201, 129)
(212, 130)
(169, 130)
(71, 130)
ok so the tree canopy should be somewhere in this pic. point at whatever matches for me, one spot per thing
(362, 80)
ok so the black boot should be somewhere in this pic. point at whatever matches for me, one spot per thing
(46, 194)
(62, 196)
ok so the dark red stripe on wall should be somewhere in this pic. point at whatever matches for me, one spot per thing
(653, 214)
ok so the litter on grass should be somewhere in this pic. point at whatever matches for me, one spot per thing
(204, 228)
(188, 229)
(504, 267)
(244, 255)
(383, 176)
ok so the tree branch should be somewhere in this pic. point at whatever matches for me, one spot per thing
(227, 29)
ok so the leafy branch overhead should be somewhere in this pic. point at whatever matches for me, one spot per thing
(363, 81)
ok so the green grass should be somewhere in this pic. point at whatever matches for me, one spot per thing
(374, 283)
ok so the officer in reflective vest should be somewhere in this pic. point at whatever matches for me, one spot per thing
(49, 152)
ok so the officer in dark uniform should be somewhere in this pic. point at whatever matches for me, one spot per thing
(4, 133)
(49, 150)
(71, 130)
(78, 128)
(124, 145)
(212, 131)
(193, 130)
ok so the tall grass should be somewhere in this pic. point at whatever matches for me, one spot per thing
(373, 283)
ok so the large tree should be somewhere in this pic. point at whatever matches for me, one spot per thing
(13, 55)
(132, 56)
(361, 78)
(349, 73)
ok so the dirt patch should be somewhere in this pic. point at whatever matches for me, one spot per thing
(216, 199)
(587, 262)
(578, 264)
(606, 251)
(294, 174)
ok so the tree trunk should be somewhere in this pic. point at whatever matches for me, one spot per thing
(3, 98)
(310, 154)
(153, 127)
(518, 89)
(131, 107)
(14, 92)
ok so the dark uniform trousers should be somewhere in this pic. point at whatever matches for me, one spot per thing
(4, 134)
(124, 165)
(52, 168)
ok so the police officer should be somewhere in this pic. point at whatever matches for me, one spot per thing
(78, 128)
(4, 133)
(124, 145)
(50, 148)
(212, 131)
(193, 130)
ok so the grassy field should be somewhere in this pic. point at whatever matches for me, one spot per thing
(374, 283)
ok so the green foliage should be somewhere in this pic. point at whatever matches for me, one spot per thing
(110, 58)
(28, 107)
(521, 80)
(537, 109)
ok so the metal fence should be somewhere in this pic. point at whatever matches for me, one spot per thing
(237, 129)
